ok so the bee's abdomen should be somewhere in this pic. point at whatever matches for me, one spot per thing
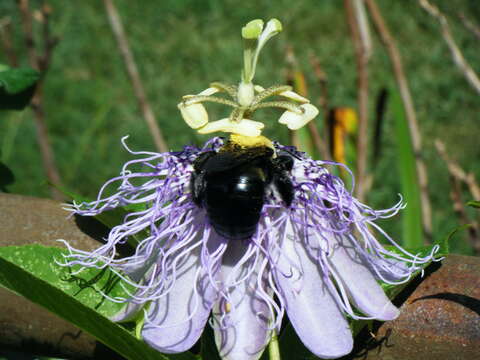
(234, 203)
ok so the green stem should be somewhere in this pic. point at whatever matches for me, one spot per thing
(273, 348)
(139, 325)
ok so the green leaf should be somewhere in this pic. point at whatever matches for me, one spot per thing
(444, 244)
(412, 215)
(475, 204)
(291, 347)
(209, 349)
(17, 87)
(32, 272)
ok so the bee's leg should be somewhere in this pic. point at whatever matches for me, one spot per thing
(201, 159)
(283, 162)
(284, 186)
(282, 165)
(197, 187)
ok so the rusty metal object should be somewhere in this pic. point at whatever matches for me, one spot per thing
(440, 317)
(25, 326)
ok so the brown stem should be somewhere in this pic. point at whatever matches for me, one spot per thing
(362, 56)
(41, 62)
(457, 55)
(293, 137)
(48, 157)
(323, 101)
(49, 42)
(459, 208)
(26, 18)
(6, 38)
(455, 169)
(457, 177)
(296, 79)
(414, 130)
(122, 42)
(474, 28)
(317, 139)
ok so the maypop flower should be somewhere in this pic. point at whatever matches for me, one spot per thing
(244, 230)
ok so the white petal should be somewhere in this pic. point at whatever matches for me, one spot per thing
(294, 96)
(245, 333)
(176, 334)
(209, 91)
(311, 307)
(245, 127)
(360, 283)
(194, 115)
(296, 121)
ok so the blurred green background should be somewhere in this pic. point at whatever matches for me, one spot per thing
(180, 46)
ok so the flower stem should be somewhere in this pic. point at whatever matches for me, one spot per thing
(139, 325)
(273, 347)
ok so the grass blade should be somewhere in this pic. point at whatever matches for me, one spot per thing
(412, 234)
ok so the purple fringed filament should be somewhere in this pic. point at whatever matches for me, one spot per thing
(317, 260)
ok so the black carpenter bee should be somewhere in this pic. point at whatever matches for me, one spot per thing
(232, 184)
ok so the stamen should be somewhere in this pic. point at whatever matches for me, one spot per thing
(279, 104)
(237, 114)
(230, 89)
(193, 99)
(271, 91)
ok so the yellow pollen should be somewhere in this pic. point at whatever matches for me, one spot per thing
(250, 141)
